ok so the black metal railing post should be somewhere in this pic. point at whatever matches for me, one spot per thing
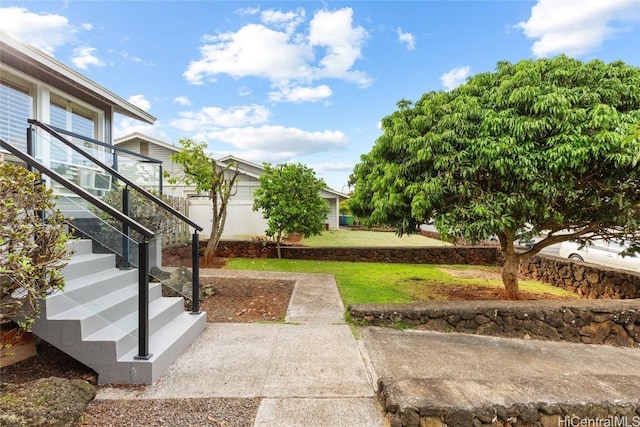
(161, 177)
(126, 264)
(143, 301)
(195, 274)
(30, 145)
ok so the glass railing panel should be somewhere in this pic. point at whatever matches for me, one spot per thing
(106, 233)
(91, 223)
(106, 239)
(144, 174)
(74, 166)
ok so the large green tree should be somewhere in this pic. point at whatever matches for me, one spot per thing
(537, 147)
(290, 200)
(211, 178)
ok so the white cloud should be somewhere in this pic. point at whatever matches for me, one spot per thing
(333, 167)
(575, 27)
(254, 50)
(140, 102)
(244, 91)
(47, 32)
(343, 43)
(455, 77)
(301, 94)
(125, 126)
(287, 58)
(182, 100)
(248, 11)
(83, 57)
(278, 142)
(407, 38)
(214, 118)
(285, 20)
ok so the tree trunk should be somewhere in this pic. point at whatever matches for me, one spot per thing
(510, 274)
(210, 250)
(278, 238)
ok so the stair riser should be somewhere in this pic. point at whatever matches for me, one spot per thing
(158, 317)
(109, 284)
(80, 247)
(76, 269)
(120, 307)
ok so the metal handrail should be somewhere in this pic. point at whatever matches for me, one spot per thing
(102, 144)
(115, 173)
(195, 259)
(78, 190)
(143, 247)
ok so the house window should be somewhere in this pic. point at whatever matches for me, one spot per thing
(16, 104)
(73, 118)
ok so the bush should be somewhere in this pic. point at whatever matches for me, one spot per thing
(32, 251)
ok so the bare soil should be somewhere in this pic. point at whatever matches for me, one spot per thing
(246, 301)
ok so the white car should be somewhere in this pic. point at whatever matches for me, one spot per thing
(601, 252)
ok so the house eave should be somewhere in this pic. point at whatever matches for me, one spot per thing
(28, 59)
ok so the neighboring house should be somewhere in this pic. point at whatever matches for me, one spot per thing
(158, 150)
(95, 319)
(242, 220)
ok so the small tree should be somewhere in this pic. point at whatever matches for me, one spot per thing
(210, 178)
(32, 251)
(289, 196)
(536, 147)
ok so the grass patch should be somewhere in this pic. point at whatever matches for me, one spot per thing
(379, 283)
(357, 238)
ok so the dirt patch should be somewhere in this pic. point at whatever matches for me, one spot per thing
(246, 300)
(472, 273)
(477, 293)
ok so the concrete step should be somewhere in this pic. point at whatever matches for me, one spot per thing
(84, 289)
(80, 246)
(95, 320)
(183, 330)
(86, 264)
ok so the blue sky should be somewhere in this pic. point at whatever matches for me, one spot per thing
(305, 81)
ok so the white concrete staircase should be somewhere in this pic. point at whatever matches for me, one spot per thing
(95, 320)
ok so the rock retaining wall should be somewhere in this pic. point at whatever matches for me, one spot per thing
(541, 414)
(615, 323)
(586, 280)
(472, 255)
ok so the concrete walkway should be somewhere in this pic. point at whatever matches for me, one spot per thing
(311, 371)
(308, 371)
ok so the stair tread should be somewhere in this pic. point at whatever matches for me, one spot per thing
(99, 276)
(78, 258)
(103, 302)
(158, 342)
(116, 330)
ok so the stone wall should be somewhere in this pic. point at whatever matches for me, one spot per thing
(541, 414)
(471, 255)
(615, 323)
(586, 280)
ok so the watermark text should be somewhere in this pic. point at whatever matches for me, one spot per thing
(619, 421)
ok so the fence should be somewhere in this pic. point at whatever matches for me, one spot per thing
(178, 231)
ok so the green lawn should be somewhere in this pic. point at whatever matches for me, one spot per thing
(361, 283)
(368, 238)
